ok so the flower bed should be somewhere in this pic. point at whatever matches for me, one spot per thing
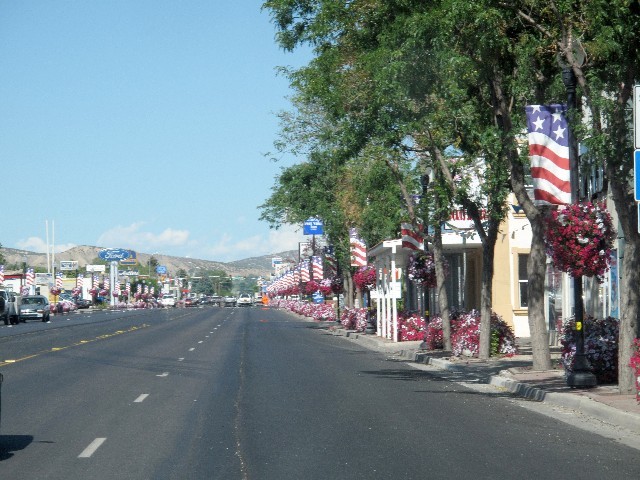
(635, 364)
(354, 319)
(317, 311)
(600, 346)
(465, 334)
(411, 326)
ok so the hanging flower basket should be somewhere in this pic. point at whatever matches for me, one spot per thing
(337, 285)
(55, 291)
(579, 239)
(365, 277)
(422, 269)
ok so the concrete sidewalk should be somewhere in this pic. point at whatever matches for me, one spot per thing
(515, 375)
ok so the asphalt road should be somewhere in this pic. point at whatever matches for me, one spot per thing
(253, 393)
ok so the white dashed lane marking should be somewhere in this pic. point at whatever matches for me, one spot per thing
(141, 398)
(93, 446)
(164, 374)
(192, 349)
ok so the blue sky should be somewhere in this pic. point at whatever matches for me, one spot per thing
(141, 124)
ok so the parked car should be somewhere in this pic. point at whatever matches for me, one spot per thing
(244, 300)
(82, 302)
(190, 302)
(229, 301)
(168, 300)
(35, 307)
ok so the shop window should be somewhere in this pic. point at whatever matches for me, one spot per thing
(523, 280)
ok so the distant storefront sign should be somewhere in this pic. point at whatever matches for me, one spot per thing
(68, 265)
(97, 268)
(44, 278)
(113, 254)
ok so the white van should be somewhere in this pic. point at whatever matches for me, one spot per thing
(168, 300)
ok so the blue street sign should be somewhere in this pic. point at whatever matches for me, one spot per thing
(161, 270)
(636, 174)
(313, 226)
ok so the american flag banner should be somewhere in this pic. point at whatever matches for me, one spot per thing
(296, 275)
(139, 288)
(116, 288)
(59, 280)
(548, 134)
(79, 280)
(152, 290)
(30, 278)
(1, 274)
(106, 283)
(317, 270)
(358, 249)
(146, 289)
(96, 281)
(330, 261)
(412, 237)
(304, 271)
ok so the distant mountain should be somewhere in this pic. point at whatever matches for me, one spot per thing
(86, 255)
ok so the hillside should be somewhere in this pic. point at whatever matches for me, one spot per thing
(84, 255)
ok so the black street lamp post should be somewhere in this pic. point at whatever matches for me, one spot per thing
(581, 375)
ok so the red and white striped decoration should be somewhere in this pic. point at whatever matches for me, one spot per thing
(412, 238)
(106, 283)
(30, 279)
(1, 274)
(316, 263)
(59, 280)
(127, 286)
(358, 249)
(304, 271)
(80, 281)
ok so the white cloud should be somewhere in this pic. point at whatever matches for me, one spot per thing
(38, 245)
(228, 248)
(133, 237)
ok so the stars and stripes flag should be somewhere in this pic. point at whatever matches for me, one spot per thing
(358, 249)
(1, 274)
(127, 286)
(330, 261)
(304, 271)
(79, 280)
(30, 278)
(548, 135)
(106, 284)
(116, 288)
(139, 288)
(96, 281)
(59, 280)
(317, 270)
(412, 237)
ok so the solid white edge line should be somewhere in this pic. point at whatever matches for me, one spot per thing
(141, 398)
(93, 446)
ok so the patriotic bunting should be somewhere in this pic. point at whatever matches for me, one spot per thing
(316, 263)
(412, 238)
(548, 134)
(358, 249)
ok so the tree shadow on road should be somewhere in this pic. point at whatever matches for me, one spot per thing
(13, 443)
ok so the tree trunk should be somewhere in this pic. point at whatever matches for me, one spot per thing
(441, 291)
(537, 269)
(629, 329)
(486, 299)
